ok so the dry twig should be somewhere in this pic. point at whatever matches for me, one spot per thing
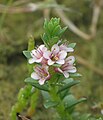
(19, 2)
(88, 65)
(93, 26)
(12, 10)
(96, 13)
(71, 25)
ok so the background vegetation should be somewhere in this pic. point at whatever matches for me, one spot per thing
(18, 21)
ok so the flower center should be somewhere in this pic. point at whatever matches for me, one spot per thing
(54, 58)
(43, 73)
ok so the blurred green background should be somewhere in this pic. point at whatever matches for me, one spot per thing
(18, 22)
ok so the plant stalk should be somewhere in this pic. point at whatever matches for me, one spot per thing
(56, 98)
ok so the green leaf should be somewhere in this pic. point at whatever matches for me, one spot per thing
(49, 104)
(68, 85)
(45, 38)
(53, 32)
(31, 43)
(45, 24)
(36, 84)
(68, 80)
(85, 117)
(62, 31)
(27, 54)
(75, 75)
(54, 40)
(46, 95)
(79, 101)
(56, 30)
(64, 93)
(50, 27)
(72, 45)
(71, 101)
(56, 65)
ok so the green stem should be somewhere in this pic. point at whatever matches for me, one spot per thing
(55, 97)
(33, 103)
(23, 98)
(26, 95)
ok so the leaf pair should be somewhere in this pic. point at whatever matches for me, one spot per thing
(36, 84)
(53, 32)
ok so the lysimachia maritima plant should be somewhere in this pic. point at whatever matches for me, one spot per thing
(53, 70)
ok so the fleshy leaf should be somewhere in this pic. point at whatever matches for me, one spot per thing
(68, 85)
(53, 32)
(62, 30)
(27, 54)
(71, 101)
(72, 45)
(36, 84)
(56, 65)
(75, 75)
(85, 117)
(64, 93)
(49, 104)
(54, 40)
(46, 95)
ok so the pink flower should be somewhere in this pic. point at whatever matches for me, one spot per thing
(55, 55)
(37, 55)
(67, 67)
(65, 48)
(41, 73)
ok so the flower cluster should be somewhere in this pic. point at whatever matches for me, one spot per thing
(46, 58)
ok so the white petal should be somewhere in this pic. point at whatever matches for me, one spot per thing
(31, 60)
(45, 67)
(43, 48)
(41, 81)
(35, 76)
(39, 60)
(62, 54)
(33, 52)
(48, 77)
(50, 62)
(58, 69)
(67, 49)
(70, 49)
(47, 54)
(60, 62)
(66, 74)
(72, 69)
(70, 59)
(55, 49)
(62, 47)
